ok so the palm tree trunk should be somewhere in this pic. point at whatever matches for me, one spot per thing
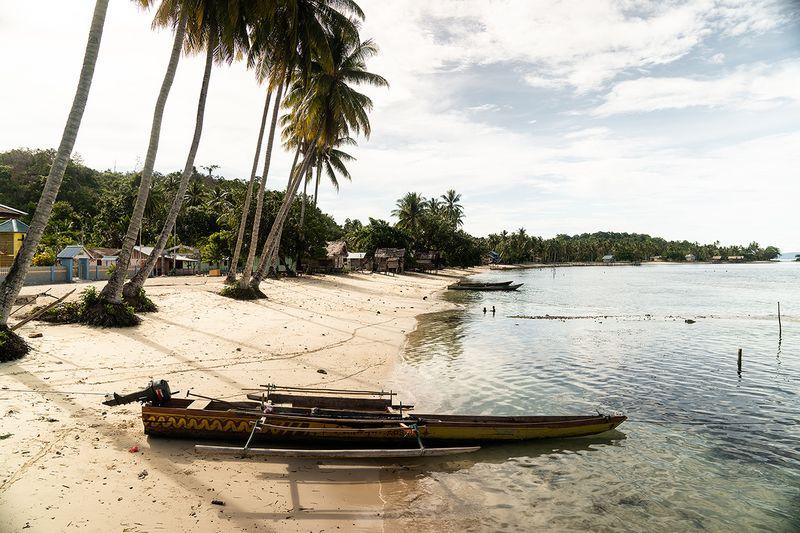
(277, 226)
(251, 254)
(303, 218)
(316, 186)
(113, 289)
(132, 288)
(268, 252)
(15, 279)
(246, 208)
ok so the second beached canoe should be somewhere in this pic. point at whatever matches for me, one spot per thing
(475, 287)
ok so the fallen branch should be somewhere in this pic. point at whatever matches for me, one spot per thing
(40, 312)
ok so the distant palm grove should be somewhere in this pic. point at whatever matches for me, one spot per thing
(94, 208)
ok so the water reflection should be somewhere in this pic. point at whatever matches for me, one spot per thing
(699, 434)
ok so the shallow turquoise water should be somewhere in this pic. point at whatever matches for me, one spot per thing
(704, 447)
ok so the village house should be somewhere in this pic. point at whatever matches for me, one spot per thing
(608, 258)
(356, 261)
(390, 260)
(75, 258)
(427, 261)
(7, 212)
(336, 254)
(12, 235)
(690, 257)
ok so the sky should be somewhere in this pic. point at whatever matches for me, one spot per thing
(678, 118)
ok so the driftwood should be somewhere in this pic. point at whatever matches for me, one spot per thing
(334, 454)
(40, 312)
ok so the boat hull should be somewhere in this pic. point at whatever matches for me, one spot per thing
(512, 287)
(236, 426)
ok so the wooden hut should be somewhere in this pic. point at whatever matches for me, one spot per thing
(336, 254)
(357, 261)
(390, 260)
(427, 261)
(12, 235)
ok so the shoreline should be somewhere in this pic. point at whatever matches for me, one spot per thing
(69, 464)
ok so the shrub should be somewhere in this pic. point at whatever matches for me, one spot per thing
(45, 258)
(140, 302)
(11, 345)
(238, 293)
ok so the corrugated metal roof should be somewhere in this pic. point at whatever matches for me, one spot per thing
(6, 210)
(356, 255)
(13, 226)
(72, 251)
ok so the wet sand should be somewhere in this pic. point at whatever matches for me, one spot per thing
(66, 461)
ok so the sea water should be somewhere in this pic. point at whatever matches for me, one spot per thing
(704, 448)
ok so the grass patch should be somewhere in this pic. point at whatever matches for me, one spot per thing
(98, 312)
(238, 293)
(90, 309)
(63, 313)
(140, 302)
(11, 345)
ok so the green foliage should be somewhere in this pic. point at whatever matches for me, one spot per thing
(89, 309)
(238, 293)
(11, 345)
(140, 302)
(46, 257)
(379, 234)
(218, 246)
(519, 247)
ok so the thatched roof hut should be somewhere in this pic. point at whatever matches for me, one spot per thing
(336, 252)
(390, 259)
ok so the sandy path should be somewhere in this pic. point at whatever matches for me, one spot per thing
(65, 462)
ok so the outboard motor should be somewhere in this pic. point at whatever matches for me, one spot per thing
(157, 393)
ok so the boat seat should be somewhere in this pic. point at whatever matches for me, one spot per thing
(199, 404)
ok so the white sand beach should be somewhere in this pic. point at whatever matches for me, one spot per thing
(66, 462)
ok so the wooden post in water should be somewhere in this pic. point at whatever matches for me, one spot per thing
(780, 329)
(740, 361)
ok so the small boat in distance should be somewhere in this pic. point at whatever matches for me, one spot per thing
(484, 286)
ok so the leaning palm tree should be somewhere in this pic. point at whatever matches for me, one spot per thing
(330, 108)
(223, 33)
(296, 37)
(12, 346)
(453, 210)
(176, 13)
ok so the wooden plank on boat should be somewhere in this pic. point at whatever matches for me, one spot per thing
(324, 402)
(334, 454)
(199, 404)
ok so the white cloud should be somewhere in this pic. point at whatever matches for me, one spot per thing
(752, 87)
(717, 59)
(564, 44)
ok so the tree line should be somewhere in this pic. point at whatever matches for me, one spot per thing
(309, 58)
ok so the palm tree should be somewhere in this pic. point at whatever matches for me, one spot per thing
(452, 208)
(11, 285)
(410, 209)
(293, 44)
(328, 105)
(170, 11)
(432, 204)
(223, 33)
(234, 266)
(332, 161)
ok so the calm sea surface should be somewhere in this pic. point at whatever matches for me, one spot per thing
(704, 447)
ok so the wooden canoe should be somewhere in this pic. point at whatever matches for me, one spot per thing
(233, 421)
(466, 283)
(459, 287)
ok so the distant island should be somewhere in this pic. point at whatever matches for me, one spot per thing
(93, 209)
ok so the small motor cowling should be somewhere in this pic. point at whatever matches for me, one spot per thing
(156, 393)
